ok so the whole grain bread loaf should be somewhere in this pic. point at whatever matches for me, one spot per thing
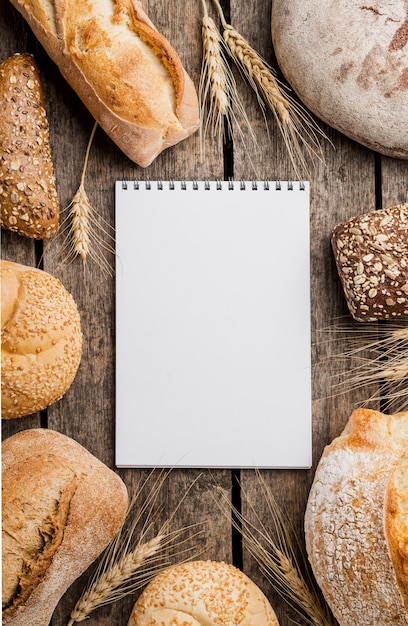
(356, 522)
(28, 196)
(125, 72)
(41, 339)
(371, 253)
(202, 592)
(61, 507)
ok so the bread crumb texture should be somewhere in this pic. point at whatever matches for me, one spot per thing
(41, 341)
(356, 517)
(28, 196)
(371, 253)
(202, 593)
(60, 508)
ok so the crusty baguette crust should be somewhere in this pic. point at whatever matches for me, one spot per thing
(344, 521)
(96, 511)
(125, 72)
(28, 196)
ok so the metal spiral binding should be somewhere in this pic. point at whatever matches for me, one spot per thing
(219, 185)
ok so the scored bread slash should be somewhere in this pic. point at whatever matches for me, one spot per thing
(28, 197)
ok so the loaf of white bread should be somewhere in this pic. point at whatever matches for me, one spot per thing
(200, 593)
(125, 72)
(61, 508)
(356, 521)
(41, 339)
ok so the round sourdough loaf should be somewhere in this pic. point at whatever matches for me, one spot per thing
(356, 522)
(201, 593)
(61, 507)
(348, 62)
(41, 342)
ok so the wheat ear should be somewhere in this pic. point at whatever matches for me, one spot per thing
(219, 101)
(378, 356)
(276, 557)
(129, 563)
(295, 124)
(86, 234)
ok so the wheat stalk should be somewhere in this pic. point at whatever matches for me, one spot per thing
(379, 356)
(85, 233)
(295, 124)
(129, 563)
(276, 557)
(219, 101)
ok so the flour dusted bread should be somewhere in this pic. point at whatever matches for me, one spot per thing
(201, 593)
(356, 522)
(123, 69)
(61, 507)
(41, 339)
(28, 197)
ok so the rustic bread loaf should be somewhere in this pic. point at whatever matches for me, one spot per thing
(200, 593)
(348, 63)
(61, 507)
(122, 68)
(41, 339)
(356, 524)
(371, 253)
(28, 197)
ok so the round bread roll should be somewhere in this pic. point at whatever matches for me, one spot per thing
(348, 63)
(61, 507)
(201, 593)
(41, 343)
(356, 522)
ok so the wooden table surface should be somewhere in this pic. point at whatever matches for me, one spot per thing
(353, 180)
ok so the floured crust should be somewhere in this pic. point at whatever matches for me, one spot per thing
(344, 521)
(200, 593)
(41, 343)
(122, 68)
(28, 197)
(51, 482)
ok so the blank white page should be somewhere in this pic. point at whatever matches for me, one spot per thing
(213, 325)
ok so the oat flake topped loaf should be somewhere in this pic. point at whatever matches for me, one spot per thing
(371, 253)
(356, 524)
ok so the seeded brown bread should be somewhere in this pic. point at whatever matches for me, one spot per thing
(371, 253)
(356, 523)
(61, 507)
(122, 68)
(41, 339)
(28, 197)
(202, 592)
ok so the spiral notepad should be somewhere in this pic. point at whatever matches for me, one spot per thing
(213, 324)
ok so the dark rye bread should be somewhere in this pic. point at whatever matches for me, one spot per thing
(371, 253)
(61, 506)
(28, 197)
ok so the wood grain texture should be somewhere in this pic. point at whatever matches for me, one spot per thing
(342, 187)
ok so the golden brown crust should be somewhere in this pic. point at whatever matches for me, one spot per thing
(28, 197)
(344, 522)
(125, 72)
(200, 593)
(61, 507)
(41, 342)
(396, 522)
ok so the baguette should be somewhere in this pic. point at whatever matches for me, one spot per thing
(28, 197)
(356, 523)
(125, 72)
(61, 507)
